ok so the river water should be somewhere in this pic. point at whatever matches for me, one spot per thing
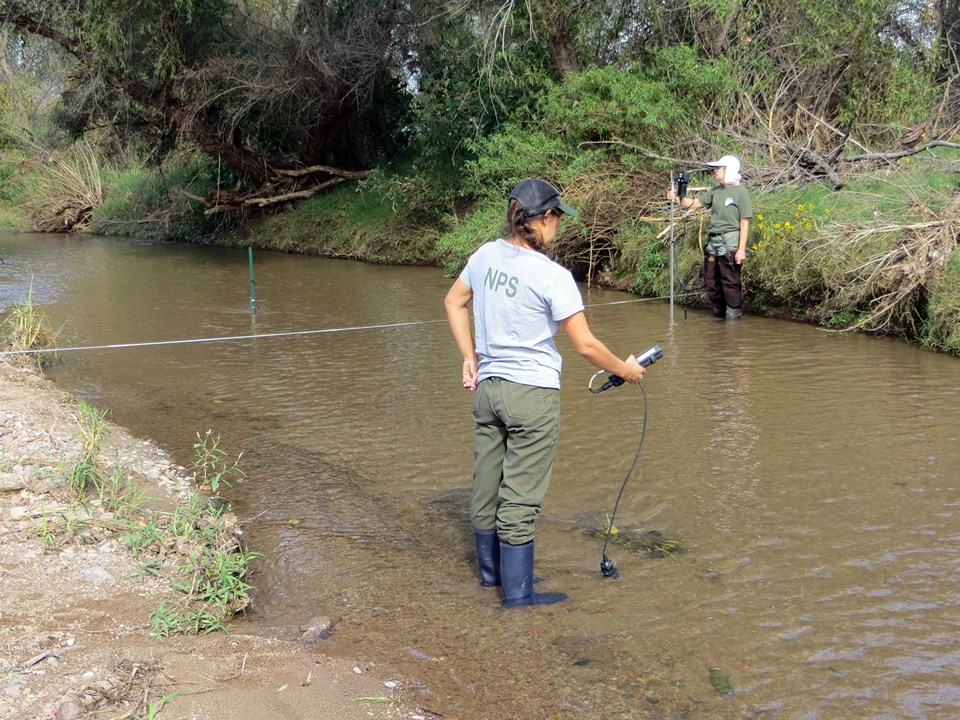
(810, 479)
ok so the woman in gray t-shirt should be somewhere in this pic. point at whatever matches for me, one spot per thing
(520, 297)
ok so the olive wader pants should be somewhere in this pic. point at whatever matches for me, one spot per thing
(514, 444)
(721, 274)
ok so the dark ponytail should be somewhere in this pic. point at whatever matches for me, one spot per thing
(518, 226)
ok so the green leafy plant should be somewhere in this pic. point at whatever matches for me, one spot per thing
(842, 319)
(213, 579)
(47, 536)
(791, 225)
(211, 465)
(141, 538)
(157, 705)
(198, 539)
(167, 620)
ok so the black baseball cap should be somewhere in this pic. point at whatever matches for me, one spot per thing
(537, 196)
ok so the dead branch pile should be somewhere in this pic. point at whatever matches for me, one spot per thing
(284, 186)
(67, 191)
(134, 688)
(67, 216)
(610, 203)
(886, 269)
(811, 149)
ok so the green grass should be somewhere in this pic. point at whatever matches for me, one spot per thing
(159, 204)
(485, 223)
(124, 207)
(197, 541)
(14, 216)
(349, 221)
(27, 329)
(942, 327)
(85, 474)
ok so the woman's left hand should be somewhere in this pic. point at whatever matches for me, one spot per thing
(740, 256)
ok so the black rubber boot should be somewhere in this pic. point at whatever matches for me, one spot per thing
(488, 556)
(718, 312)
(734, 313)
(516, 574)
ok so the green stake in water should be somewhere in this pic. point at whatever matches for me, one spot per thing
(253, 295)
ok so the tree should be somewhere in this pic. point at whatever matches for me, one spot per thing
(274, 90)
(803, 62)
(31, 77)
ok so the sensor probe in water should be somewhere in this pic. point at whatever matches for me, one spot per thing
(647, 358)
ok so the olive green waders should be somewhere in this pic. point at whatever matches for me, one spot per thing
(515, 441)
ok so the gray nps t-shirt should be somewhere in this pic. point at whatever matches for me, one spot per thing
(519, 298)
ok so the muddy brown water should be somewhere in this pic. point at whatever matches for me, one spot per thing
(810, 477)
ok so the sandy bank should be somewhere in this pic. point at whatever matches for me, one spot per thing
(74, 615)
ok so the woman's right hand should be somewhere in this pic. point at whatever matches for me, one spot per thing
(469, 379)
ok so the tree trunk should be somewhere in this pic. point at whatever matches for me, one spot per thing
(555, 19)
(949, 40)
(948, 62)
(563, 53)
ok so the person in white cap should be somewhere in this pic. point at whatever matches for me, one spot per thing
(727, 230)
(520, 299)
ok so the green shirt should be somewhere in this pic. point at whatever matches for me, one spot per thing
(728, 204)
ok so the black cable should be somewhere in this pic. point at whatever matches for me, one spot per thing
(606, 565)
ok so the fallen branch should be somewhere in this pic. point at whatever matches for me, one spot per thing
(325, 169)
(285, 185)
(816, 164)
(896, 155)
(262, 201)
(887, 270)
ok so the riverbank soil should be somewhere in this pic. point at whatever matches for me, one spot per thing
(74, 607)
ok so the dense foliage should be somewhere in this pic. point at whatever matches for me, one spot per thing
(207, 114)
(366, 83)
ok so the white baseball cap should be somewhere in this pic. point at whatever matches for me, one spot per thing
(731, 168)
